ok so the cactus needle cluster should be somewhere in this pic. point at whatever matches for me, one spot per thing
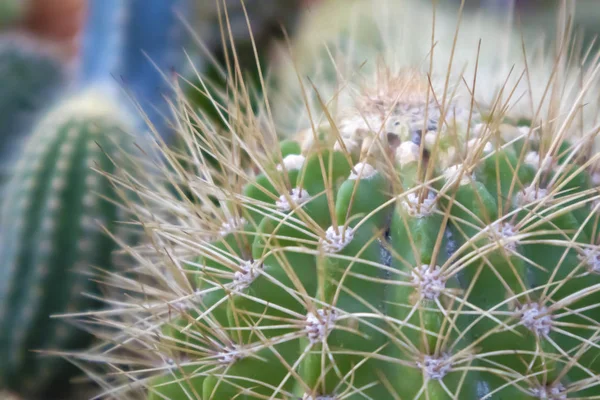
(412, 240)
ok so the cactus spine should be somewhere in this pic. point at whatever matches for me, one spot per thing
(417, 241)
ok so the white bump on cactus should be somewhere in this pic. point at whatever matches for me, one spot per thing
(318, 326)
(553, 392)
(504, 233)
(530, 194)
(436, 368)
(429, 281)
(591, 257)
(479, 129)
(292, 162)
(452, 173)
(297, 195)
(533, 158)
(231, 225)
(430, 139)
(417, 208)
(474, 144)
(362, 171)
(337, 239)
(229, 356)
(311, 397)
(350, 145)
(247, 273)
(407, 153)
(536, 318)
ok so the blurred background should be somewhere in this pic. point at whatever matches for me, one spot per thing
(52, 48)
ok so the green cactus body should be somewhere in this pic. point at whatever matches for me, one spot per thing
(418, 244)
(52, 237)
(31, 78)
(434, 294)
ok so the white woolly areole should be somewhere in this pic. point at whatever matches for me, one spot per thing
(503, 232)
(430, 139)
(230, 356)
(311, 397)
(429, 281)
(524, 130)
(362, 171)
(169, 363)
(415, 209)
(318, 326)
(247, 273)
(530, 195)
(474, 144)
(406, 153)
(357, 126)
(591, 257)
(352, 146)
(292, 162)
(297, 195)
(453, 172)
(336, 241)
(478, 129)
(536, 318)
(554, 392)
(231, 225)
(533, 158)
(436, 368)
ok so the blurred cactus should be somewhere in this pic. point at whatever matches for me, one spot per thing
(51, 238)
(55, 206)
(31, 78)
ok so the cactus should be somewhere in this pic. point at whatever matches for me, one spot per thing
(55, 207)
(50, 240)
(32, 77)
(427, 237)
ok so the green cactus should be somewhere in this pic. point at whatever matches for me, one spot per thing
(418, 240)
(31, 78)
(51, 239)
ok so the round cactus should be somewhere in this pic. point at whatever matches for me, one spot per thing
(51, 238)
(418, 240)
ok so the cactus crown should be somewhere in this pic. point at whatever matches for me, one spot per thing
(412, 242)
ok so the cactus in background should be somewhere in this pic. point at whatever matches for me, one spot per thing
(55, 206)
(51, 239)
(431, 235)
(32, 76)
